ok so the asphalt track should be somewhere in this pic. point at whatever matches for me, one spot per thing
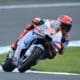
(35, 76)
(13, 21)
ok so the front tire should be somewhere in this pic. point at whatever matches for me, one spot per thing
(8, 66)
(30, 61)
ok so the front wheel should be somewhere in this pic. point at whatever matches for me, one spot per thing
(8, 66)
(30, 61)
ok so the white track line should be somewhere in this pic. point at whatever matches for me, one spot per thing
(58, 73)
(41, 72)
(40, 5)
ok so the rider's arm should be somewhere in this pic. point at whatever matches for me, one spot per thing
(64, 43)
(35, 22)
(63, 46)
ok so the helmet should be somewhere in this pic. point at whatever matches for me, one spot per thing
(66, 23)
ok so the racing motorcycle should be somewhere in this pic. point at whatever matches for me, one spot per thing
(39, 48)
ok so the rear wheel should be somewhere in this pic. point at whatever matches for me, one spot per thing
(30, 61)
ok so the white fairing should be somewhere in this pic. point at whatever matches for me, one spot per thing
(27, 39)
(55, 25)
(47, 23)
(28, 52)
(57, 37)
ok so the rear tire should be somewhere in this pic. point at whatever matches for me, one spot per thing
(30, 61)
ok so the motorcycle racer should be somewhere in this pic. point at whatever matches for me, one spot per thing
(62, 24)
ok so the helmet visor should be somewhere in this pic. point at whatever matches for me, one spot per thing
(66, 27)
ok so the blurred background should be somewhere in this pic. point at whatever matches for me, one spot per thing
(13, 21)
(34, 1)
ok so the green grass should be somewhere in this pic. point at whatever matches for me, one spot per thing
(2, 58)
(69, 62)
